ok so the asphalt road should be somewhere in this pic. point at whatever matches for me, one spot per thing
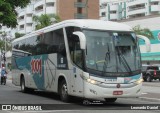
(50, 102)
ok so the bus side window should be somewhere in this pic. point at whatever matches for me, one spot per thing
(74, 47)
(62, 50)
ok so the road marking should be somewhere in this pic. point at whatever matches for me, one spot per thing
(144, 93)
(151, 99)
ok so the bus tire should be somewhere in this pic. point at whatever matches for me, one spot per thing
(63, 91)
(23, 87)
(110, 100)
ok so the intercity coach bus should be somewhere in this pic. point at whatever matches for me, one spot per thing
(85, 58)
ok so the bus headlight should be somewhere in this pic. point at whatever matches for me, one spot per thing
(139, 81)
(93, 81)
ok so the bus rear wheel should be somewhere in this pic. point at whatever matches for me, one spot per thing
(63, 91)
(112, 100)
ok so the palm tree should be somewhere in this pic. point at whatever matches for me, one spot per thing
(145, 32)
(45, 20)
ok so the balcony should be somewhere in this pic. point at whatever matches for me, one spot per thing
(21, 22)
(154, 1)
(29, 9)
(28, 28)
(114, 8)
(113, 16)
(79, 4)
(137, 15)
(38, 4)
(80, 16)
(136, 11)
(50, 1)
(50, 10)
(22, 13)
(103, 18)
(39, 13)
(29, 20)
(136, 8)
(155, 8)
(137, 2)
(39, 8)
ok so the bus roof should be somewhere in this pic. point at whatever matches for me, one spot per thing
(83, 23)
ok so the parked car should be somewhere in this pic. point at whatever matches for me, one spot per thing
(151, 72)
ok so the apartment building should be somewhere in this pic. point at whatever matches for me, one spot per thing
(66, 9)
(127, 9)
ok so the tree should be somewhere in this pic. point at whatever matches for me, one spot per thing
(45, 20)
(2, 42)
(145, 32)
(8, 14)
(17, 35)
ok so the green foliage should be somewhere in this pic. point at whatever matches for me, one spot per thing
(45, 20)
(8, 15)
(145, 32)
(2, 45)
(2, 42)
(17, 35)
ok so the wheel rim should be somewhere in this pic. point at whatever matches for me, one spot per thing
(22, 86)
(64, 91)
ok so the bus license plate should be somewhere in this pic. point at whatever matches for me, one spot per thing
(117, 92)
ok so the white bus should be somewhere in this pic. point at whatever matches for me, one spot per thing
(85, 58)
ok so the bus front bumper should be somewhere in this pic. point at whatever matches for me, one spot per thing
(111, 91)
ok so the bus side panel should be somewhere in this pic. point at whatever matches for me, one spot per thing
(15, 77)
(50, 68)
(32, 68)
(15, 74)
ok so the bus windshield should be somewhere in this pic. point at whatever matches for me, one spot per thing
(112, 52)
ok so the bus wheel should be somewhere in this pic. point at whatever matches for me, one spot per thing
(64, 91)
(108, 100)
(23, 87)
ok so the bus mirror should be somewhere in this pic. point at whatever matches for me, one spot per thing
(82, 39)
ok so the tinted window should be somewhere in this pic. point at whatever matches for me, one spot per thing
(144, 68)
(153, 68)
(47, 43)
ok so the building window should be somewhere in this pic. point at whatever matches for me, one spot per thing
(113, 12)
(103, 14)
(50, 4)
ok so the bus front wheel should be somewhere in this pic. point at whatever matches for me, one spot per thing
(23, 87)
(64, 91)
(108, 100)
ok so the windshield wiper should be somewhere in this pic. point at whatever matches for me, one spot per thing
(123, 60)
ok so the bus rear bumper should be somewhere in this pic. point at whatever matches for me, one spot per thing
(94, 91)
